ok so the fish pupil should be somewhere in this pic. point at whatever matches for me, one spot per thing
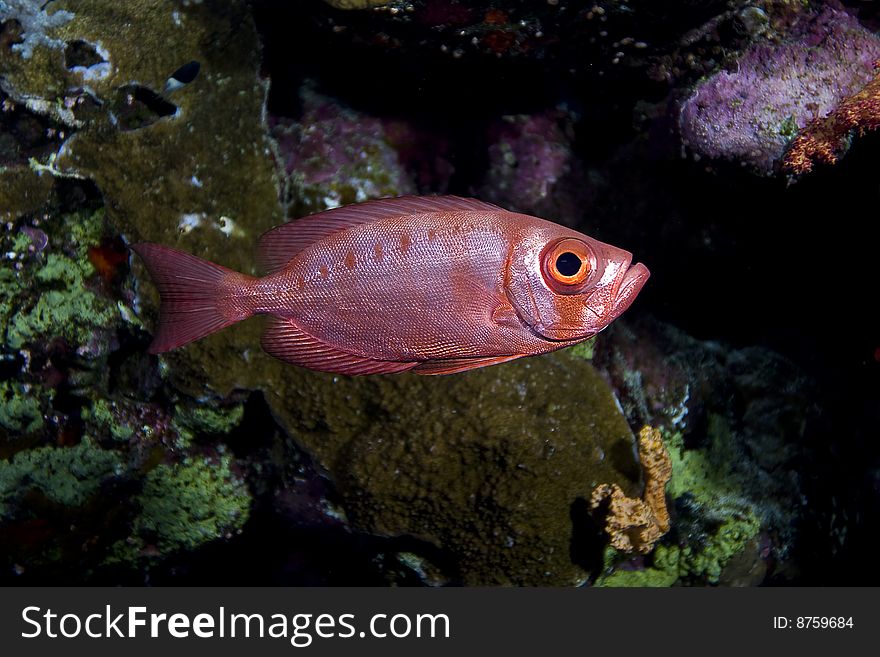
(568, 264)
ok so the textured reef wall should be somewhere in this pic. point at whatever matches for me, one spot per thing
(200, 125)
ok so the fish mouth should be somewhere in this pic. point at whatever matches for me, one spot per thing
(630, 285)
(629, 282)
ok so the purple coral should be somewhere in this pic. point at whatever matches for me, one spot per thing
(533, 169)
(335, 156)
(750, 114)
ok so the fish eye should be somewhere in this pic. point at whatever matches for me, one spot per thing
(568, 263)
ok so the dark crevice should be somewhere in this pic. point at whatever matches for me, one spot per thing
(81, 53)
(11, 33)
(137, 107)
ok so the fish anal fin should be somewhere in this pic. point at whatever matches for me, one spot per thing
(284, 340)
(278, 245)
(455, 365)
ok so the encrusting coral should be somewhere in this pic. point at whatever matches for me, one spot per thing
(824, 140)
(637, 524)
(749, 114)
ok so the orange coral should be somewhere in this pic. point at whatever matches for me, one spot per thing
(632, 523)
(824, 140)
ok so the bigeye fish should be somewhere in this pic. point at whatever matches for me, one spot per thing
(435, 285)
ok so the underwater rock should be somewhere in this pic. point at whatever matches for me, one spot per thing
(609, 36)
(425, 153)
(495, 467)
(533, 169)
(170, 166)
(489, 466)
(334, 156)
(23, 191)
(749, 114)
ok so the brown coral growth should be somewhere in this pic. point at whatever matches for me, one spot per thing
(824, 140)
(637, 524)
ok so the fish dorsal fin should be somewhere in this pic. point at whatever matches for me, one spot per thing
(279, 245)
(288, 342)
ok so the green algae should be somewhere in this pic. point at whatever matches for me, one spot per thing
(191, 163)
(103, 415)
(207, 419)
(21, 407)
(53, 294)
(706, 562)
(584, 349)
(65, 475)
(72, 312)
(11, 286)
(188, 504)
(708, 473)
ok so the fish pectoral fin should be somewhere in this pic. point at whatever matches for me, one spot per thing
(454, 365)
(504, 314)
(288, 342)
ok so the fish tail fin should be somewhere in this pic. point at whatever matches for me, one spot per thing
(197, 296)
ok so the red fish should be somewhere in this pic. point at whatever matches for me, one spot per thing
(435, 285)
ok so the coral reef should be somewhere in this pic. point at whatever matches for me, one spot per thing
(65, 438)
(637, 524)
(66, 306)
(824, 140)
(750, 114)
(168, 160)
(35, 25)
(733, 422)
(714, 524)
(150, 120)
